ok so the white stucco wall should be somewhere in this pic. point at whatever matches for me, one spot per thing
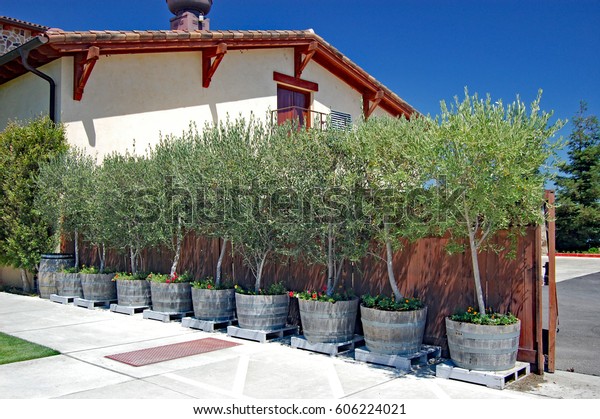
(134, 98)
(28, 96)
(333, 93)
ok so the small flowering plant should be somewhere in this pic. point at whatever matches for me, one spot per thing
(313, 295)
(208, 283)
(128, 276)
(380, 302)
(170, 279)
(276, 288)
(489, 318)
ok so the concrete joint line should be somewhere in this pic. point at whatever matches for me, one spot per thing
(239, 381)
(334, 382)
(203, 386)
(434, 387)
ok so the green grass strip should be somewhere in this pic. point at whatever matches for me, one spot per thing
(13, 349)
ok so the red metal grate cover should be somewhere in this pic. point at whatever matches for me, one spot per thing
(168, 352)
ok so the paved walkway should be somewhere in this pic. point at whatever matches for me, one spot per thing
(249, 371)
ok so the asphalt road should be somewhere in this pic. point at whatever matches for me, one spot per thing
(578, 338)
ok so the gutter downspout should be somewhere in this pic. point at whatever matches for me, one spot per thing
(23, 52)
(52, 111)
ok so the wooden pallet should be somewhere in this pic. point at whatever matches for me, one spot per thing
(62, 299)
(130, 310)
(401, 362)
(92, 304)
(206, 325)
(261, 336)
(164, 317)
(333, 349)
(491, 379)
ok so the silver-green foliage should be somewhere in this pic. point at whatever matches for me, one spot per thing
(392, 162)
(128, 191)
(67, 195)
(489, 163)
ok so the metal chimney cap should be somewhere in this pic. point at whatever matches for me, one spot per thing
(198, 7)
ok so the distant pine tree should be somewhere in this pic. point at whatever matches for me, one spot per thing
(578, 193)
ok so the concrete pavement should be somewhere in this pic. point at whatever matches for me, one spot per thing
(249, 371)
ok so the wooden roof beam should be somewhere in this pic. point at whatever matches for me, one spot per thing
(302, 56)
(83, 66)
(371, 101)
(211, 58)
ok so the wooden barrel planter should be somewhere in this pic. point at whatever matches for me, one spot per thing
(50, 264)
(98, 287)
(68, 285)
(262, 312)
(171, 298)
(325, 322)
(133, 292)
(213, 305)
(483, 347)
(393, 332)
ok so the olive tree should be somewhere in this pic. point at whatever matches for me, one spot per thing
(127, 189)
(260, 219)
(489, 160)
(169, 163)
(337, 223)
(66, 196)
(392, 159)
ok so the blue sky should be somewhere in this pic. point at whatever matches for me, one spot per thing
(424, 50)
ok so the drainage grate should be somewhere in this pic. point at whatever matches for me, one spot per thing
(168, 352)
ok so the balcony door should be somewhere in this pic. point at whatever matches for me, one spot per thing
(293, 104)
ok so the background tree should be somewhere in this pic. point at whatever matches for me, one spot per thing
(488, 161)
(578, 194)
(24, 236)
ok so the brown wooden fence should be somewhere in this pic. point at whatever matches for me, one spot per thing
(423, 269)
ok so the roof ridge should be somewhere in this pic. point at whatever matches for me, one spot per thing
(32, 25)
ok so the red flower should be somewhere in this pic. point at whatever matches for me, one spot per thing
(291, 294)
(209, 286)
(314, 296)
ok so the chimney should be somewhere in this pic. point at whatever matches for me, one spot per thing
(190, 15)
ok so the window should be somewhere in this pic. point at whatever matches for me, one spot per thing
(294, 99)
(292, 104)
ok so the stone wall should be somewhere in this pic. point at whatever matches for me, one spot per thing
(12, 37)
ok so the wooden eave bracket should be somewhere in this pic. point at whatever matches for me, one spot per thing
(370, 102)
(302, 56)
(211, 58)
(83, 66)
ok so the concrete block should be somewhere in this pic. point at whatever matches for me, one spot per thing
(300, 342)
(261, 335)
(401, 362)
(492, 379)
